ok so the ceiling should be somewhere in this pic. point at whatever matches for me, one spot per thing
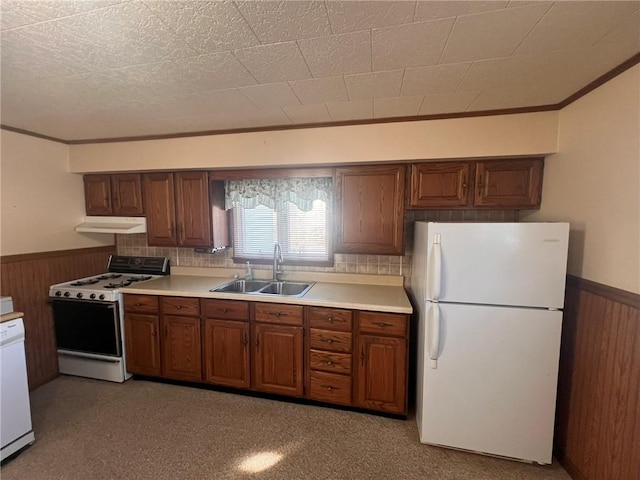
(98, 69)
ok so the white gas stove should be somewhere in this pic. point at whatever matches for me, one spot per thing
(89, 317)
(122, 272)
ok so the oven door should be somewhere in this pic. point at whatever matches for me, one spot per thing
(92, 327)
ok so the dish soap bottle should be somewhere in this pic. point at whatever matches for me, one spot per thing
(248, 274)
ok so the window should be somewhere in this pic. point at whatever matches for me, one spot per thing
(294, 212)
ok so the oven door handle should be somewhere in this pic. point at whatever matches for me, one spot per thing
(100, 358)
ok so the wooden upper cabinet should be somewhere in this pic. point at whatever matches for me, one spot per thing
(183, 208)
(126, 194)
(192, 209)
(160, 209)
(117, 194)
(497, 184)
(97, 194)
(509, 183)
(440, 184)
(369, 213)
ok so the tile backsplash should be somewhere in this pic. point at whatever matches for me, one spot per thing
(136, 244)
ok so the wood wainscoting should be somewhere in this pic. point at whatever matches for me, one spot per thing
(598, 411)
(27, 278)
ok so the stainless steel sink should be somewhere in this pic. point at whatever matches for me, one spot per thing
(242, 286)
(290, 289)
(265, 287)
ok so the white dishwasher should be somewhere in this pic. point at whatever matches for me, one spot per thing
(15, 410)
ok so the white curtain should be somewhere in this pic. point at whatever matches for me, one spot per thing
(276, 192)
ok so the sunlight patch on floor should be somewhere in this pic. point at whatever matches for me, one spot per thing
(258, 462)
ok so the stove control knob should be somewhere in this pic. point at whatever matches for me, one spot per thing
(79, 295)
(93, 295)
(58, 293)
(101, 296)
(67, 294)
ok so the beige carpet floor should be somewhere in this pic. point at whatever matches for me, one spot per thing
(88, 429)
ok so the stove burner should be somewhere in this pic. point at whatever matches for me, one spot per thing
(124, 283)
(139, 279)
(109, 276)
(89, 281)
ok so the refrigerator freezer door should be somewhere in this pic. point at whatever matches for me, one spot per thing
(494, 389)
(519, 264)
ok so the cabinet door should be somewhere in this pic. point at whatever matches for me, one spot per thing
(370, 209)
(382, 373)
(440, 184)
(226, 352)
(277, 356)
(193, 212)
(181, 351)
(97, 195)
(142, 344)
(509, 183)
(160, 209)
(126, 194)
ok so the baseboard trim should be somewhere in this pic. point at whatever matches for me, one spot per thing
(615, 294)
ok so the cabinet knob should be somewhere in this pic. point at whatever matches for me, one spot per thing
(178, 307)
(225, 310)
(329, 340)
(329, 362)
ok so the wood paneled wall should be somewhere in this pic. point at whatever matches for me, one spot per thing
(27, 278)
(598, 411)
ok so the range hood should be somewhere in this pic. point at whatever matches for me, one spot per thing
(113, 225)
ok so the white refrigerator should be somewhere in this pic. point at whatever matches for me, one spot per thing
(489, 298)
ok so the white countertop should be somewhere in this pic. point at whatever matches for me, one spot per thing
(379, 298)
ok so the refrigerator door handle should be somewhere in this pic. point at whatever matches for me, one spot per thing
(436, 269)
(433, 334)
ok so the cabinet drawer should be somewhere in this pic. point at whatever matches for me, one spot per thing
(329, 387)
(330, 361)
(328, 340)
(180, 306)
(226, 309)
(141, 303)
(330, 318)
(278, 313)
(383, 323)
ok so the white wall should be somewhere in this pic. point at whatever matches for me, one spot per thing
(500, 135)
(594, 182)
(40, 201)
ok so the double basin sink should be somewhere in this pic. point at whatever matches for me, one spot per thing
(265, 287)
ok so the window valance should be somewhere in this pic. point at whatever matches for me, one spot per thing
(276, 192)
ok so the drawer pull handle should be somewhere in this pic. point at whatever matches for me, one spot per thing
(225, 310)
(178, 307)
(329, 362)
(329, 340)
(328, 387)
(275, 314)
(330, 318)
(383, 324)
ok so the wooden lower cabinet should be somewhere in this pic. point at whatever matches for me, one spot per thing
(381, 373)
(142, 344)
(181, 350)
(338, 356)
(226, 353)
(277, 359)
(381, 359)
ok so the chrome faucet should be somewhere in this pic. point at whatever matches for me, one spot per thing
(278, 270)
